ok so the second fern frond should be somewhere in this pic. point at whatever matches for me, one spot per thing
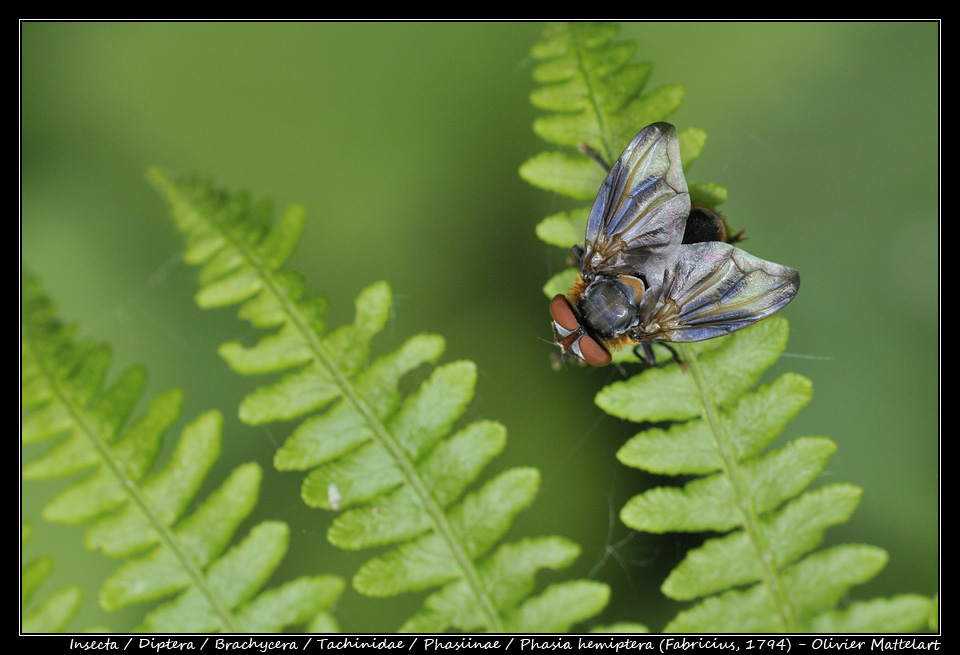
(395, 466)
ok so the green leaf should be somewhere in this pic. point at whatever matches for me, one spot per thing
(102, 492)
(728, 561)
(423, 420)
(560, 282)
(293, 603)
(54, 612)
(623, 627)
(565, 229)
(906, 613)
(671, 393)
(76, 453)
(705, 193)
(560, 607)
(202, 536)
(449, 468)
(576, 177)
(236, 577)
(642, 111)
(347, 424)
(692, 142)
(618, 88)
(509, 573)
(753, 422)
(31, 575)
(170, 489)
(711, 503)
(818, 581)
(480, 520)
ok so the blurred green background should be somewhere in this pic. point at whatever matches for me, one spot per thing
(403, 140)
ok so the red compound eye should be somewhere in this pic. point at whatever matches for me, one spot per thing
(593, 353)
(562, 314)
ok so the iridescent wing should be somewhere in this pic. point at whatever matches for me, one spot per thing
(637, 220)
(713, 289)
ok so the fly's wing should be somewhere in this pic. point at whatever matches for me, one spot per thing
(637, 220)
(713, 289)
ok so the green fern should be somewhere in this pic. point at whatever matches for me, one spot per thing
(760, 576)
(597, 94)
(137, 513)
(759, 498)
(395, 467)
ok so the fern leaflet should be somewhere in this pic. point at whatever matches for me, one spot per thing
(132, 509)
(761, 575)
(393, 465)
(54, 612)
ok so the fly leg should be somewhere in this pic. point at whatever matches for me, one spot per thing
(645, 352)
(590, 152)
(585, 149)
(576, 258)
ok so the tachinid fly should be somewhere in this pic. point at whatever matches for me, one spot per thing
(651, 271)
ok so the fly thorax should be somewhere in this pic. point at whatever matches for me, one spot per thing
(608, 307)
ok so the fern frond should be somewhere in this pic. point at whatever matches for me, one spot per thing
(133, 508)
(763, 575)
(396, 467)
(596, 95)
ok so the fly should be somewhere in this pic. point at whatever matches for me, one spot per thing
(653, 271)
